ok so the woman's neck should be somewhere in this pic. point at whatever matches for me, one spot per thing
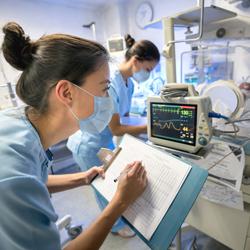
(51, 128)
(126, 70)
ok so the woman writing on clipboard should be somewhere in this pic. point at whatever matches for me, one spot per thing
(140, 59)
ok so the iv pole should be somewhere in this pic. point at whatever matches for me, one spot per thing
(8, 85)
(92, 27)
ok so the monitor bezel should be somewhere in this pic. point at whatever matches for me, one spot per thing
(193, 144)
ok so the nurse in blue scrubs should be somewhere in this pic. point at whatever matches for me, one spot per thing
(140, 59)
(64, 84)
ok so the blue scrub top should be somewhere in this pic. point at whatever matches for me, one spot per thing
(27, 218)
(85, 146)
(121, 92)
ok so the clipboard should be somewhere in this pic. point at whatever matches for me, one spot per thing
(179, 209)
(106, 156)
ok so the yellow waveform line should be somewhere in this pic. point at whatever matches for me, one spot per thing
(166, 125)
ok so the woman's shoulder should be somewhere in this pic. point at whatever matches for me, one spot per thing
(14, 126)
(20, 145)
(116, 77)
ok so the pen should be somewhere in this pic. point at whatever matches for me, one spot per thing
(116, 179)
(106, 165)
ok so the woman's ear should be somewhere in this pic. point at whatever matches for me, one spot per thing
(64, 91)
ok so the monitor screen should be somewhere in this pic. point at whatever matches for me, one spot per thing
(174, 122)
(116, 45)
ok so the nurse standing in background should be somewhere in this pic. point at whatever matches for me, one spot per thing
(140, 59)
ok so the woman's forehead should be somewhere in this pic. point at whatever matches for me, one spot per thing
(102, 73)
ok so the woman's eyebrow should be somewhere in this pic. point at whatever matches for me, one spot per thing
(105, 81)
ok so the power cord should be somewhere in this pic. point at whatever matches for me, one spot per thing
(240, 147)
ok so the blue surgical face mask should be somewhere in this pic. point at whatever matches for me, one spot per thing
(141, 76)
(100, 118)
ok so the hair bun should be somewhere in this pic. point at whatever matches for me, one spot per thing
(17, 48)
(130, 41)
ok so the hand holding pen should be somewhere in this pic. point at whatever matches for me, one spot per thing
(132, 182)
(129, 165)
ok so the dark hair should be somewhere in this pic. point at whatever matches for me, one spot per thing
(46, 61)
(143, 50)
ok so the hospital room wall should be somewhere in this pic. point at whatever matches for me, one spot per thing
(39, 18)
(115, 19)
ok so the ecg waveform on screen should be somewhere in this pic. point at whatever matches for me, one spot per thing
(164, 125)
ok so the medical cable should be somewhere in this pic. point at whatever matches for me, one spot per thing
(240, 120)
(167, 93)
(217, 115)
(217, 132)
(244, 113)
(229, 121)
(217, 162)
(175, 90)
(237, 113)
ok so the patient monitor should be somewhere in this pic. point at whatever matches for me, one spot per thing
(116, 44)
(181, 124)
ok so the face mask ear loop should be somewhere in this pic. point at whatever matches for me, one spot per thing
(74, 114)
(84, 90)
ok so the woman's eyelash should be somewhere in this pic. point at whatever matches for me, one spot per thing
(107, 88)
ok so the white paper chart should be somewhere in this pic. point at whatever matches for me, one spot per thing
(165, 173)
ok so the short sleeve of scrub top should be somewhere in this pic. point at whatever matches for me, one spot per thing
(121, 92)
(27, 215)
(115, 99)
